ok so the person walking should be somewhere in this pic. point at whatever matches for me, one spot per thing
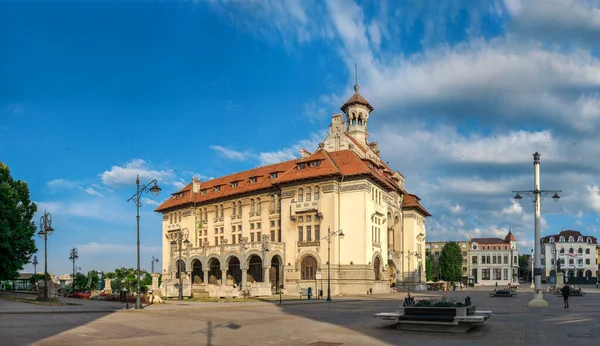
(566, 292)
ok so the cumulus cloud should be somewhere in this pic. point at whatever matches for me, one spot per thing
(230, 153)
(121, 176)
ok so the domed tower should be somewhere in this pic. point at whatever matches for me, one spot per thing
(357, 111)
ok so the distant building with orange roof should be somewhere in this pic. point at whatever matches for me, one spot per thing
(265, 227)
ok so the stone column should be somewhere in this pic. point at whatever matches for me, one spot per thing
(107, 288)
(223, 276)
(154, 281)
(266, 275)
(205, 274)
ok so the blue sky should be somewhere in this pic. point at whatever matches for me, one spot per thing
(92, 94)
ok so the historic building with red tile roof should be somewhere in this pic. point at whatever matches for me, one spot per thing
(270, 226)
(494, 260)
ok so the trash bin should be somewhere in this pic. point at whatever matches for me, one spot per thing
(309, 293)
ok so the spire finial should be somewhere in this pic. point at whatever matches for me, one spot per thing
(356, 77)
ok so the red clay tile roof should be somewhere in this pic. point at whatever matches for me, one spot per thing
(357, 98)
(342, 163)
(488, 241)
(410, 201)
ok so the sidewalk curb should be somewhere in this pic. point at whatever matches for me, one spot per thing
(59, 312)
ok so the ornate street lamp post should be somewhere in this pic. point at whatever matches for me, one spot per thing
(328, 237)
(154, 260)
(155, 190)
(45, 231)
(538, 298)
(181, 239)
(73, 256)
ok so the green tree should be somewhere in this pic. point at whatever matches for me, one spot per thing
(523, 268)
(80, 283)
(428, 266)
(16, 226)
(94, 279)
(126, 278)
(451, 262)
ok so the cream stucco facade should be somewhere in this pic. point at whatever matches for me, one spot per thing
(256, 230)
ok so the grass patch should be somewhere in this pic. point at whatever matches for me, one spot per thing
(33, 301)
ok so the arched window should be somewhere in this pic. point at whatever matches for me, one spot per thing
(308, 268)
(580, 250)
(179, 216)
(233, 208)
(252, 205)
(562, 239)
(221, 207)
(272, 205)
(571, 250)
(580, 239)
(216, 211)
(571, 239)
(551, 240)
(258, 208)
(317, 192)
(589, 240)
(240, 207)
(377, 268)
(562, 250)
(170, 217)
(372, 193)
(587, 251)
(206, 214)
(308, 194)
(300, 195)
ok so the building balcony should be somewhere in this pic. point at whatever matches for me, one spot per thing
(274, 211)
(173, 226)
(305, 207)
(309, 243)
(236, 248)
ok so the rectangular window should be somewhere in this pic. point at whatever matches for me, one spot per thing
(494, 259)
(258, 225)
(464, 253)
(251, 226)
(273, 235)
(300, 233)
(300, 218)
(308, 233)
(221, 239)
(239, 228)
(253, 179)
(233, 239)
(505, 261)
(505, 274)
(301, 165)
(474, 260)
(308, 218)
(221, 229)
(587, 261)
(487, 259)
(317, 232)
(216, 240)
(258, 234)
(272, 223)
(218, 188)
(234, 184)
(274, 175)
(252, 237)
(497, 274)
(485, 274)
(216, 231)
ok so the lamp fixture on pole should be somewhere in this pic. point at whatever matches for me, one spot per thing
(538, 298)
(155, 190)
(45, 231)
(328, 237)
(73, 256)
(180, 239)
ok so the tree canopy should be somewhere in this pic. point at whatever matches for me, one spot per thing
(16, 226)
(451, 261)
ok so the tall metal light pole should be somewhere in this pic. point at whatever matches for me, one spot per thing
(329, 236)
(45, 230)
(73, 256)
(181, 239)
(538, 298)
(553, 251)
(35, 263)
(155, 190)
(154, 259)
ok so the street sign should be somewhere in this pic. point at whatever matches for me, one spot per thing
(318, 276)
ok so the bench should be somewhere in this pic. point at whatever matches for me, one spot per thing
(502, 294)
(435, 321)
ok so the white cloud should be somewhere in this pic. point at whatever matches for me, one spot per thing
(61, 184)
(593, 197)
(149, 201)
(119, 176)
(293, 152)
(230, 153)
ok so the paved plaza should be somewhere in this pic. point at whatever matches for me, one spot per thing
(345, 321)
